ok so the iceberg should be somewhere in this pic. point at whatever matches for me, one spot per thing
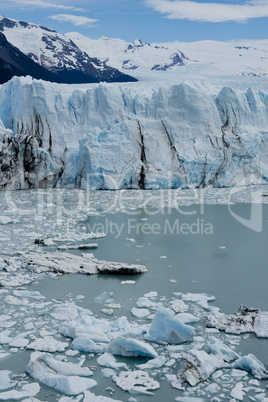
(131, 347)
(167, 328)
(68, 378)
(245, 320)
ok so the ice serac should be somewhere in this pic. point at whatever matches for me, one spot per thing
(167, 135)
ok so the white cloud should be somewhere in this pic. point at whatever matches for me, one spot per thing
(210, 12)
(74, 19)
(44, 4)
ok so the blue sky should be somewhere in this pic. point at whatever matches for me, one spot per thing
(148, 20)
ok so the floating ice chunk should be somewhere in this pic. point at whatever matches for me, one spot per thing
(29, 294)
(201, 299)
(237, 392)
(167, 328)
(90, 397)
(108, 360)
(151, 294)
(245, 320)
(85, 344)
(69, 311)
(131, 347)
(5, 220)
(107, 311)
(144, 302)
(64, 377)
(252, 365)
(79, 246)
(153, 363)
(26, 391)
(113, 305)
(5, 381)
(19, 343)
(220, 349)
(212, 388)
(108, 373)
(178, 306)
(187, 318)
(189, 399)
(48, 344)
(103, 297)
(136, 382)
(199, 366)
(15, 301)
(105, 267)
(140, 312)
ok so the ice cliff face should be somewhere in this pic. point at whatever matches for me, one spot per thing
(112, 136)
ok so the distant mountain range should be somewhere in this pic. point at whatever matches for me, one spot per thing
(245, 57)
(29, 49)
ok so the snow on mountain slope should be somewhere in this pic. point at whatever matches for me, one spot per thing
(142, 135)
(247, 57)
(57, 53)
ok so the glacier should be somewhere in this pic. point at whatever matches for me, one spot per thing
(132, 136)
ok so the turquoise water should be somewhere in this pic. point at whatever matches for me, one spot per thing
(229, 261)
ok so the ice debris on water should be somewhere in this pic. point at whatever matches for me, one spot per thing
(68, 378)
(245, 320)
(167, 328)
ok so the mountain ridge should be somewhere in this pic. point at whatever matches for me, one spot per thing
(58, 54)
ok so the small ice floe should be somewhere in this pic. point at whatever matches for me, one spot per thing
(167, 328)
(151, 294)
(145, 302)
(5, 220)
(201, 299)
(237, 392)
(189, 399)
(153, 363)
(140, 312)
(48, 344)
(131, 347)
(252, 365)
(178, 306)
(44, 242)
(108, 360)
(245, 320)
(69, 311)
(104, 296)
(200, 365)
(66, 263)
(85, 344)
(75, 237)
(5, 381)
(90, 397)
(127, 282)
(26, 391)
(79, 246)
(107, 311)
(68, 378)
(187, 318)
(28, 294)
(136, 382)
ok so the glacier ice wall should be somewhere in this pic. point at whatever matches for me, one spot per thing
(113, 136)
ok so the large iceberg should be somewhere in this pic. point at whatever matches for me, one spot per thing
(167, 135)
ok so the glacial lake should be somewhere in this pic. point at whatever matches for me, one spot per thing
(189, 241)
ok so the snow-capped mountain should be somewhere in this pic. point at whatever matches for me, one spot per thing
(246, 57)
(14, 62)
(58, 54)
(134, 135)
